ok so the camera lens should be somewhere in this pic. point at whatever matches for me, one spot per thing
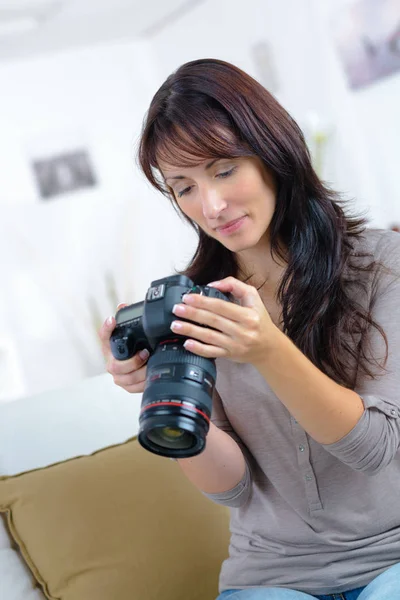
(171, 433)
(177, 401)
(171, 437)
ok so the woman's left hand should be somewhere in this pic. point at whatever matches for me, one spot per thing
(242, 333)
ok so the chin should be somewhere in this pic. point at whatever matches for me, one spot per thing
(237, 245)
(239, 242)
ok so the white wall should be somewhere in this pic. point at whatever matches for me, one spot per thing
(55, 254)
(366, 125)
(228, 30)
(367, 122)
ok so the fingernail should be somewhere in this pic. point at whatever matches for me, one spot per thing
(178, 309)
(176, 325)
(213, 283)
(109, 321)
(144, 354)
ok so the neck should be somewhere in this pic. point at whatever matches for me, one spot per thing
(259, 268)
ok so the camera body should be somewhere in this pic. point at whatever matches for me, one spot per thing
(146, 324)
(177, 399)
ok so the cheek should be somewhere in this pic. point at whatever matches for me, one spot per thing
(193, 212)
(183, 207)
(244, 190)
(251, 190)
(270, 203)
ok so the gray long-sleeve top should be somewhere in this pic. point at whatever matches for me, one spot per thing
(312, 517)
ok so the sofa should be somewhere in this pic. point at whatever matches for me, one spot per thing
(87, 514)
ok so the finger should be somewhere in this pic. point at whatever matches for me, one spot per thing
(230, 311)
(105, 333)
(247, 294)
(130, 379)
(204, 350)
(108, 326)
(205, 317)
(135, 389)
(208, 336)
(124, 367)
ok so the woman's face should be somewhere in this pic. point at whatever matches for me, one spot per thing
(231, 199)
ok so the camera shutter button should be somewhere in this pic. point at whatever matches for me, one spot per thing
(196, 289)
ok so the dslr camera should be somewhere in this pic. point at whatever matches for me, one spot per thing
(177, 400)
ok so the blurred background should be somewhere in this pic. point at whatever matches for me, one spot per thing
(80, 229)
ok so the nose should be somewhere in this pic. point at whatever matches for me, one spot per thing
(212, 203)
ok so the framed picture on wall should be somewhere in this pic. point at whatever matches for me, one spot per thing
(367, 37)
(64, 173)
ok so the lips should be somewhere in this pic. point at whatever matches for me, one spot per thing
(229, 225)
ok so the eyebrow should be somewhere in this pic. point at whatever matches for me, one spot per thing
(208, 166)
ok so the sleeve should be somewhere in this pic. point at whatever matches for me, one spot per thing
(375, 440)
(239, 495)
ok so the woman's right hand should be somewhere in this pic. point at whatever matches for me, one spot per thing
(129, 374)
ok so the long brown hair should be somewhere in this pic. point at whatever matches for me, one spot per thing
(211, 109)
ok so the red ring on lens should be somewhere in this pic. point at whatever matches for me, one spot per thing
(165, 403)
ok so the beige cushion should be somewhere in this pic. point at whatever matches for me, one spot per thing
(120, 524)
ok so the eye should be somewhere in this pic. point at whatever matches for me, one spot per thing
(226, 173)
(184, 192)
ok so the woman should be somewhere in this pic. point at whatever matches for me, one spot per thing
(303, 445)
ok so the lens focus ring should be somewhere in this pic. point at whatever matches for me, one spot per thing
(182, 357)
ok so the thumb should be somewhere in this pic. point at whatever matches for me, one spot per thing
(108, 326)
(105, 332)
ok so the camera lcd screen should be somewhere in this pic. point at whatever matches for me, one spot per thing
(128, 313)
